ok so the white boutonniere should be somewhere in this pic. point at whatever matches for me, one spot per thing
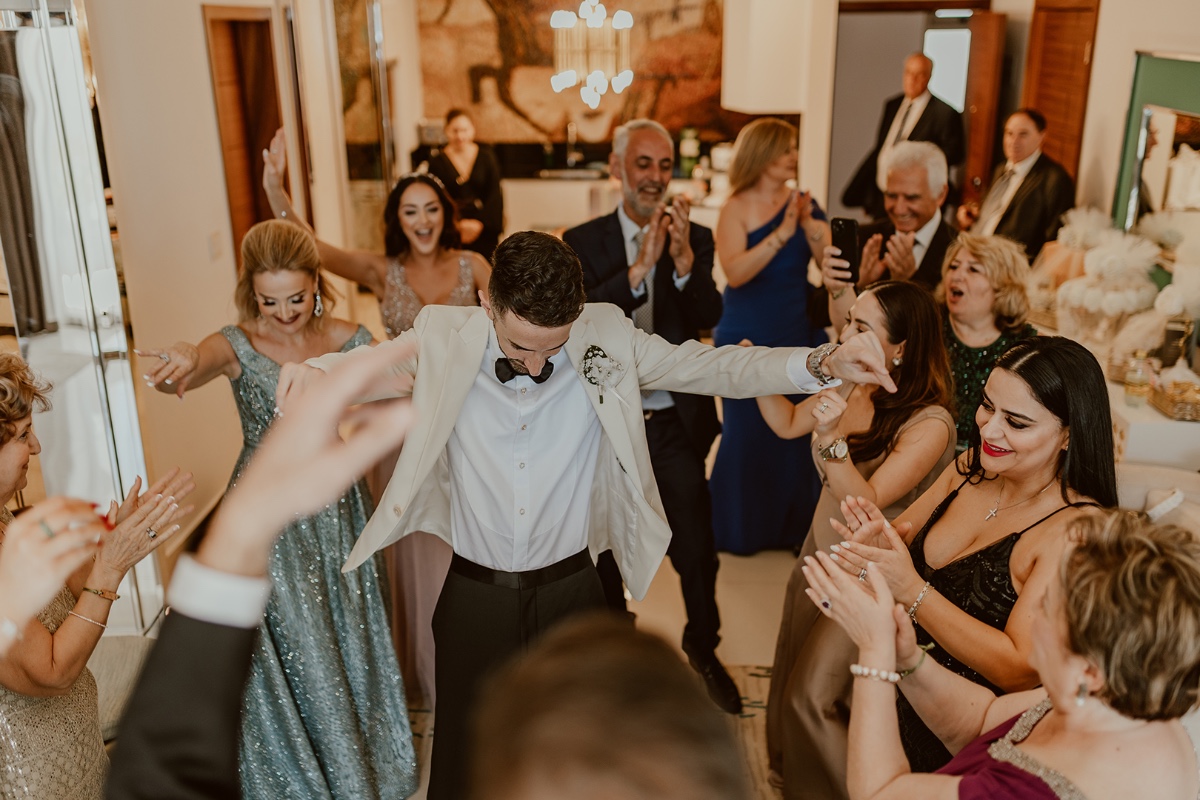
(600, 370)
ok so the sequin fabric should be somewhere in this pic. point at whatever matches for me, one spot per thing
(324, 711)
(1005, 749)
(400, 304)
(980, 583)
(51, 746)
(971, 367)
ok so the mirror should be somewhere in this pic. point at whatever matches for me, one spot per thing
(1168, 169)
(63, 305)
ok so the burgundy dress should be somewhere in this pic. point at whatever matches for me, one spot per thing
(994, 768)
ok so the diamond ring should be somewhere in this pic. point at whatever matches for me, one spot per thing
(153, 534)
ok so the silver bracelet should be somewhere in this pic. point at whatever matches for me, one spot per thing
(912, 610)
(86, 619)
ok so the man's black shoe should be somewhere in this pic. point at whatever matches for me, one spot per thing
(721, 688)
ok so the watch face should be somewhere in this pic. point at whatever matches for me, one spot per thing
(840, 449)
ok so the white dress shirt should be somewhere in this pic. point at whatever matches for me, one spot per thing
(924, 237)
(522, 462)
(221, 598)
(1020, 170)
(917, 108)
(629, 231)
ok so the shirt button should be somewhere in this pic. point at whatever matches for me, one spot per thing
(522, 465)
(522, 512)
(397, 510)
(523, 427)
(522, 391)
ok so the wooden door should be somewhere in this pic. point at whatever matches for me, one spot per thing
(245, 89)
(1058, 71)
(983, 93)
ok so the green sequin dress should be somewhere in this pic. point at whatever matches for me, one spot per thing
(971, 367)
(324, 712)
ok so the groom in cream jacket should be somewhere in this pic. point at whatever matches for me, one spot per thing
(529, 457)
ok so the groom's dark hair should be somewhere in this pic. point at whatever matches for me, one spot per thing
(538, 278)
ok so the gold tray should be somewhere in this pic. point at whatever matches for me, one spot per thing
(1179, 401)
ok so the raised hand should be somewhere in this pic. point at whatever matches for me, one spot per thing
(791, 217)
(275, 163)
(900, 260)
(828, 413)
(860, 360)
(870, 268)
(175, 483)
(139, 535)
(835, 271)
(170, 367)
(42, 548)
(679, 226)
(865, 612)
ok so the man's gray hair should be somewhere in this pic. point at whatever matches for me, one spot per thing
(622, 133)
(908, 155)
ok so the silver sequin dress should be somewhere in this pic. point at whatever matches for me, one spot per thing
(52, 747)
(400, 304)
(324, 712)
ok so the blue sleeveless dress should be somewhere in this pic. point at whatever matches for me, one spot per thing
(324, 713)
(764, 488)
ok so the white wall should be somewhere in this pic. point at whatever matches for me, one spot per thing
(871, 48)
(816, 123)
(1166, 26)
(164, 160)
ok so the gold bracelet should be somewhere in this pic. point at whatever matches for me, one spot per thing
(105, 594)
(85, 619)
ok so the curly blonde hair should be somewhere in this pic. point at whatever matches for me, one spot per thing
(1132, 602)
(1006, 266)
(273, 246)
(21, 393)
(757, 145)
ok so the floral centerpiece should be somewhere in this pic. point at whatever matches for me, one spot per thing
(1116, 284)
(1062, 260)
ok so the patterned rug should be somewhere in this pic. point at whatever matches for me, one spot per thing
(750, 726)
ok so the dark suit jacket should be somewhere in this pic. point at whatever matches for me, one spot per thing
(1035, 213)
(929, 271)
(678, 316)
(939, 124)
(179, 736)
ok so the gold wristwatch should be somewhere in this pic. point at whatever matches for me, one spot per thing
(837, 451)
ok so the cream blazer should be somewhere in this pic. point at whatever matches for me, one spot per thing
(626, 512)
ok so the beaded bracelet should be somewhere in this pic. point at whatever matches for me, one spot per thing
(106, 594)
(912, 610)
(859, 671)
(924, 648)
(85, 619)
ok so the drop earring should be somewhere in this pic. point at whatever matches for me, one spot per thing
(1081, 695)
(318, 306)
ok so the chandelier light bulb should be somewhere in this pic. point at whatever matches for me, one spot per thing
(622, 80)
(622, 20)
(563, 80)
(563, 19)
(589, 96)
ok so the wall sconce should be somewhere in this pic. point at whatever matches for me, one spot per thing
(592, 48)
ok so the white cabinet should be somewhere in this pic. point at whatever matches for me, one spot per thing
(553, 205)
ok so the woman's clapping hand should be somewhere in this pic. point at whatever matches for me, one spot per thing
(870, 538)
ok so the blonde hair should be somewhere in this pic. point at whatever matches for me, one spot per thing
(273, 246)
(1131, 596)
(1006, 267)
(21, 392)
(757, 145)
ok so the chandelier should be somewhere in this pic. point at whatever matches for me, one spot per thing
(592, 49)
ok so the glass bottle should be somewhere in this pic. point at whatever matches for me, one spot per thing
(1137, 380)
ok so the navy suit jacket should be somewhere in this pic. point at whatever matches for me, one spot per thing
(179, 736)
(678, 315)
(939, 123)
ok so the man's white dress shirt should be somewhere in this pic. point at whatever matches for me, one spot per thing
(924, 237)
(1019, 170)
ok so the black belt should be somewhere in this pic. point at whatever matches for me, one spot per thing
(529, 579)
(649, 414)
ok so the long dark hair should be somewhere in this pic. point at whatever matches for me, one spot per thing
(395, 243)
(923, 377)
(1069, 383)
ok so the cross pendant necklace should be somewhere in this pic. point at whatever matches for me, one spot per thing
(996, 509)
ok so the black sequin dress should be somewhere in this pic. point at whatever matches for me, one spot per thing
(980, 583)
(324, 715)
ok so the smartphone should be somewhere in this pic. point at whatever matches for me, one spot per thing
(845, 238)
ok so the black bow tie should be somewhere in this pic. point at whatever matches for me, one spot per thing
(505, 371)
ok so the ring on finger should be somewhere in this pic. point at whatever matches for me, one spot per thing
(165, 356)
(46, 529)
(825, 604)
(862, 574)
(153, 534)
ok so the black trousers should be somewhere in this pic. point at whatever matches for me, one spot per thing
(679, 472)
(483, 618)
